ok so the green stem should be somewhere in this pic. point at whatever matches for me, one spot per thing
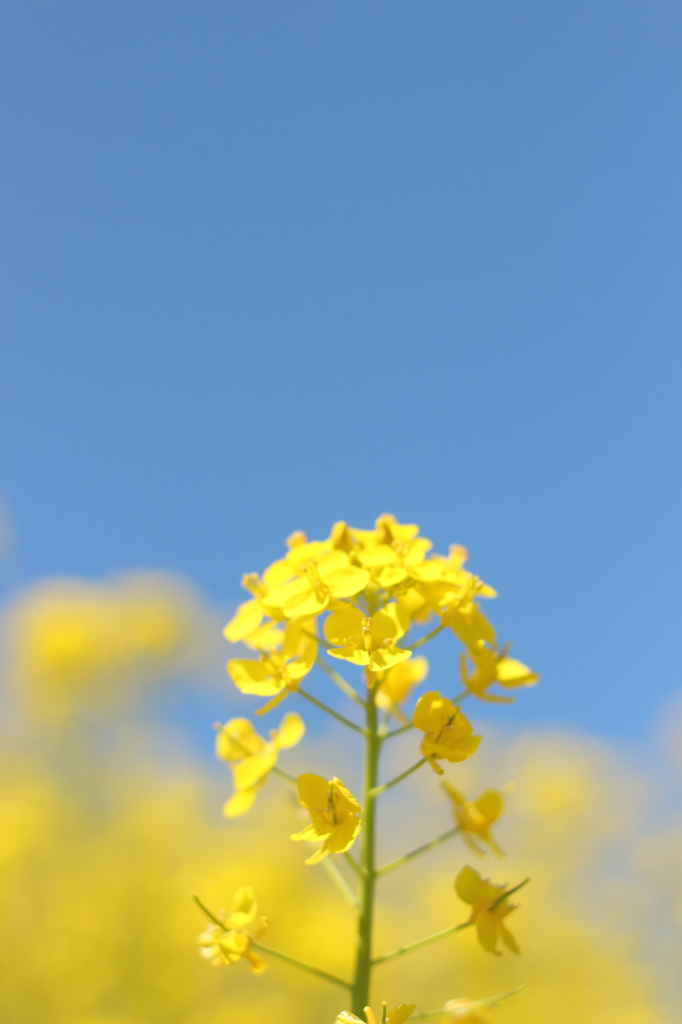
(402, 950)
(360, 991)
(353, 863)
(339, 681)
(339, 880)
(424, 639)
(397, 732)
(506, 895)
(399, 861)
(330, 711)
(283, 775)
(398, 778)
(275, 952)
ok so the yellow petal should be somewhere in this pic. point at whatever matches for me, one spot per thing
(486, 928)
(469, 885)
(238, 739)
(291, 731)
(390, 576)
(386, 657)
(343, 835)
(239, 803)
(511, 672)
(313, 791)
(252, 769)
(310, 834)
(399, 1014)
(343, 799)
(490, 804)
(244, 906)
(247, 618)
(432, 712)
(346, 582)
(508, 939)
(342, 625)
(351, 654)
(253, 677)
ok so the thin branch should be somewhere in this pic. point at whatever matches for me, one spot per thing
(330, 711)
(399, 861)
(505, 895)
(283, 775)
(339, 880)
(354, 864)
(424, 639)
(275, 952)
(339, 681)
(478, 1003)
(402, 950)
(397, 732)
(398, 778)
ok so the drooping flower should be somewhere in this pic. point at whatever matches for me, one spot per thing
(335, 815)
(448, 734)
(253, 757)
(475, 817)
(233, 942)
(399, 681)
(277, 672)
(367, 640)
(492, 666)
(489, 909)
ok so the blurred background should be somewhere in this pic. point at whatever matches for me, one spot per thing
(266, 266)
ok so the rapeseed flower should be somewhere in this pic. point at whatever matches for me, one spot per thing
(475, 817)
(492, 666)
(277, 672)
(367, 640)
(335, 815)
(232, 942)
(448, 735)
(253, 757)
(321, 582)
(488, 909)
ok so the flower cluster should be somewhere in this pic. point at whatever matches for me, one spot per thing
(368, 598)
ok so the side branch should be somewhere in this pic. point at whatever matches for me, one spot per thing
(402, 950)
(399, 861)
(330, 711)
(425, 639)
(274, 952)
(399, 778)
(339, 681)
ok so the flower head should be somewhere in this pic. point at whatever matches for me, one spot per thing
(492, 666)
(489, 908)
(253, 757)
(475, 817)
(335, 815)
(277, 672)
(232, 942)
(448, 735)
(367, 640)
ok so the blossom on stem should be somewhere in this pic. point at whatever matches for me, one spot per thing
(321, 581)
(399, 681)
(475, 817)
(277, 672)
(448, 734)
(367, 640)
(253, 757)
(335, 815)
(493, 666)
(232, 942)
(487, 913)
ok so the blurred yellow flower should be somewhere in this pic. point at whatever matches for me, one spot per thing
(277, 672)
(233, 942)
(448, 735)
(367, 641)
(399, 681)
(398, 1015)
(491, 666)
(475, 817)
(464, 1011)
(335, 815)
(487, 913)
(253, 756)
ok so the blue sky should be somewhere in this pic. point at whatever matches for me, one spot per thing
(266, 266)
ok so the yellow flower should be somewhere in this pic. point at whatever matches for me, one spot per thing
(393, 552)
(490, 666)
(482, 895)
(276, 673)
(231, 943)
(447, 732)
(253, 757)
(322, 580)
(475, 817)
(366, 640)
(399, 681)
(334, 815)
(464, 1011)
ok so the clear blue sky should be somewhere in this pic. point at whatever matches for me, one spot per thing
(267, 265)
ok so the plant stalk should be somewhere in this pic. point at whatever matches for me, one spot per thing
(360, 992)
